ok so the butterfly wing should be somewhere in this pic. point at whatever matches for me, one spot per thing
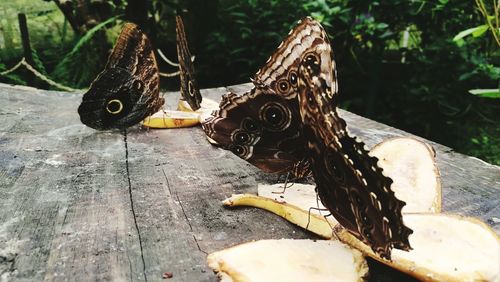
(259, 127)
(272, 151)
(349, 181)
(280, 70)
(127, 90)
(189, 87)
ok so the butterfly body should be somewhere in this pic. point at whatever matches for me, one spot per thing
(127, 90)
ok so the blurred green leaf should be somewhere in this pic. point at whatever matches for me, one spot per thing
(475, 31)
(486, 93)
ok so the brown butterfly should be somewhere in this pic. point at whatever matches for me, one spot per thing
(272, 150)
(300, 79)
(127, 90)
(260, 127)
(189, 87)
(348, 180)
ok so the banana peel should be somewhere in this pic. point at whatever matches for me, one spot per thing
(289, 260)
(446, 247)
(183, 117)
(171, 119)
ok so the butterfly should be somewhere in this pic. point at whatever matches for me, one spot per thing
(127, 90)
(189, 87)
(300, 81)
(259, 127)
(279, 149)
(348, 180)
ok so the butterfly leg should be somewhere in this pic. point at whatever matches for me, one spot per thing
(309, 214)
(285, 184)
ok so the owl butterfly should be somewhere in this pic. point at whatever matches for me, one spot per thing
(348, 180)
(259, 127)
(272, 147)
(127, 90)
(189, 87)
(299, 81)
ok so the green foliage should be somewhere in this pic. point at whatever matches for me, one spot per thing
(410, 64)
(486, 93)
(69, 70)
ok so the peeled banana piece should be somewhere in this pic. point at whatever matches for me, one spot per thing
(289, 260)
(207, 106)
(446, 247)
(411, 165)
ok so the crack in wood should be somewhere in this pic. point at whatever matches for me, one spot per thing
(132, 205)
(176, 194)
(10, 261)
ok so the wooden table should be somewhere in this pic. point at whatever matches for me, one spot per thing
(78, 204)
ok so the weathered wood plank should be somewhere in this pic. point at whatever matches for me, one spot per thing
(64, 207)
(77, 203)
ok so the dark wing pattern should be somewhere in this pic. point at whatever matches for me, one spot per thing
(274, 151)
(280, 70)
(349, 181)
(127, 90)
(259, 127)
(189, 87)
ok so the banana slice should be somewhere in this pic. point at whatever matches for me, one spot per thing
(206, 108)
(411, 165)
(445, 247)
(289, 260)
(408, 162)
(206, 105)
(171, 119)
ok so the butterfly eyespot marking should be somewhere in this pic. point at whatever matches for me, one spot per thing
(276, 116)
(240, 151)
(250, 125)
(293, 78)
(283, 86)
(114, 106)
(311, 103)
(240, 137)
(191, 88)
(311, 58)
(139, 85)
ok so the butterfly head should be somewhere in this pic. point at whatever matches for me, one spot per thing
(114, 100)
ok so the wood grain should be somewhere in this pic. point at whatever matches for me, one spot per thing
(78, 204)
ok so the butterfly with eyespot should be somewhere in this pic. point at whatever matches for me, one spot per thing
(128, 89)
(349, 181)
(259, 127)
(278, 79)
(189, 86)
(299, 81)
